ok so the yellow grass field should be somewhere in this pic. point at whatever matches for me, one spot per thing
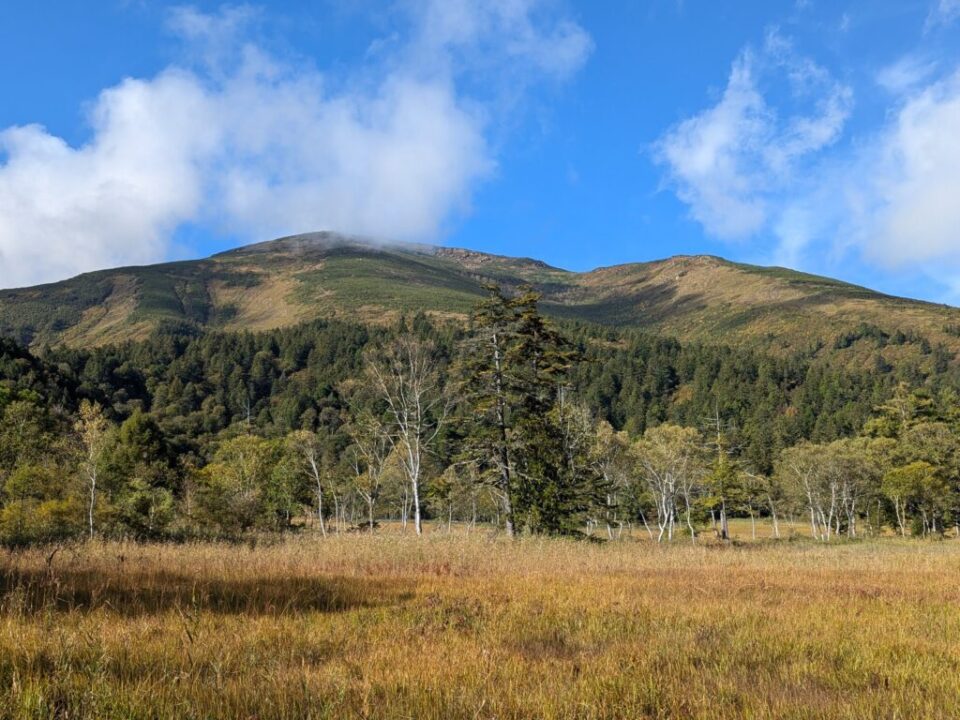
(470, 625)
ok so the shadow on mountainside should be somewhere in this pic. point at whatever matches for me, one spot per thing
(636, 308)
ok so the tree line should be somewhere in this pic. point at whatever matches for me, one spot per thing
(513, 420)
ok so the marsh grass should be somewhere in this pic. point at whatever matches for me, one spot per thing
(466, 625)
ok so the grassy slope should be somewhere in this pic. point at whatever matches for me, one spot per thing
(466, 626)
(286, 281)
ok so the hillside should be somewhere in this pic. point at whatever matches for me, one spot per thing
(287, 281)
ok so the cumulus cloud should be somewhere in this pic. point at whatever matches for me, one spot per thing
(730, 162)
(118, 198)
(239, 140)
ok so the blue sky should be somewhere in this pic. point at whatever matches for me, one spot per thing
(822, 136)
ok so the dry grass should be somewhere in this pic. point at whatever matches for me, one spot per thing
(109, 321)
(467, 626)
(264, 306)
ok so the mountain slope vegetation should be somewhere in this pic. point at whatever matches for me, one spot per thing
(284, 282)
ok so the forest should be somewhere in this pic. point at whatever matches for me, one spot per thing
(533, 426)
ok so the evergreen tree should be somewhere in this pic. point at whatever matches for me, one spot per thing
(525, 435)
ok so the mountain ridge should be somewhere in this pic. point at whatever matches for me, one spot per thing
(277, 283)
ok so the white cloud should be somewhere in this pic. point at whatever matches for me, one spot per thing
(211, 39)
(892, 200)
(915, 181)
(889, 197)
(237, 139)
(944, 12)
(730, 162)
(709, 157)
(116, 199)
(393, 164)
(905, 74)
(513, 35)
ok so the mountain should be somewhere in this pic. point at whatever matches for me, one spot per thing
(321, 275)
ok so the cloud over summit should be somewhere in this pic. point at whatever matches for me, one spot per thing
(253, 145)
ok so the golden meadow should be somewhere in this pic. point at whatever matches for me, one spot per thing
(469, 624)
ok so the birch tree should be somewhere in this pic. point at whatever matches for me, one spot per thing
(612, 458)
(768, 490)
(901, 486)
(815, 479)
(917, 489)
(304, 445)
(670, 463)
(371, 454)
(404, 375)
(92, 428)
(858, 464)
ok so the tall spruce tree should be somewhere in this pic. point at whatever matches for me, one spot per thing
(490, 395)
(514, 371)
